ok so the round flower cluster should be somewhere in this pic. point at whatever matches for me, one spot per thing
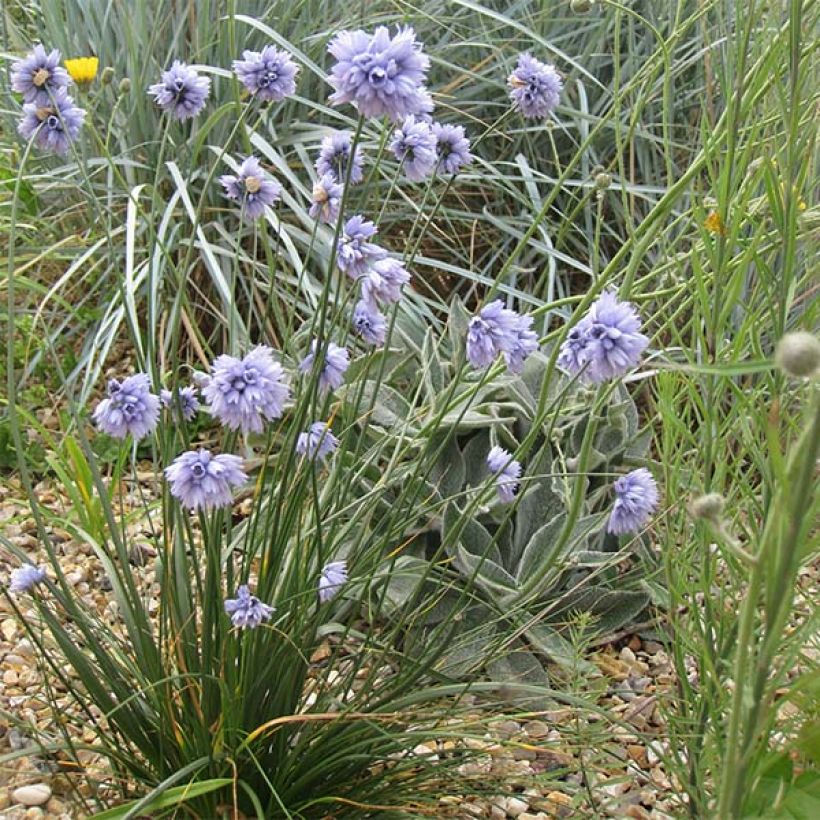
(50, 116)
(497, 329)
(606, 343)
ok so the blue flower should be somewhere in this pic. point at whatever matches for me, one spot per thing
(383, 282)
(334, 158)
(414, 146)
(355, 253)
(182, 92)
(327, 199)
(636, 497)
(452, 148)
(606, 343)
(369, 323)
(185, 398)
(497, 329)
(246, 610)
(25, 577)
(336, 361)
(202, 481)
(131, 408)
(380, 75)
(269, 74)
(524, 343)
(55, 124)
(252, 188)
(507, 472)
(244, 393)
(535, 87)
(39, 76)
(318, 442)
(333, 576)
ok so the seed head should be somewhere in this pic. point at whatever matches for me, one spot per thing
(798, 354)
(709, 506)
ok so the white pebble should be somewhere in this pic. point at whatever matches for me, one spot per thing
(34, 795)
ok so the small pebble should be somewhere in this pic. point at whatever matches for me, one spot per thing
(34, 795)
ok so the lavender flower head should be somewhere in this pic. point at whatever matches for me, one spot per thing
(244, 393)
(414, 146)
(525, 343)
(269, 74)
(246, 610)
(380, 75)
(507, 472)
(336, 361)
(497, 329)
(55, 124)
(382, 284)
(334, 158)
(535, 87)
(202, 481)
(182, 92)
(452, 148)
(369, 323)
(326, 200)
(25, 577)
(636, 497)
(355, 253)
(318, 442)
(39, 76)
(251, 187)
(184, 398)
(334, 576)
(606, 343)
(131, 408)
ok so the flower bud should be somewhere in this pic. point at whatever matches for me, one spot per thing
(798, 354)
(107, 76)
(709, 506)
(581, 6)
(603, 180)
(125, 85)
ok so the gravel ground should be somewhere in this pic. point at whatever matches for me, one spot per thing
(547, 768)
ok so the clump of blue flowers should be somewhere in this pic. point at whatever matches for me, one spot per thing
(369, 323)
(326, 199)
(535, 87)
(245, 393)
(383, 282)
(606, 343)
(338, 159)
(333, 366)
(318, 442)
(130, 408)
(636, 498)
(185, 398)
(331, 579)
(26, 577)
(414, 146)
(55, 124)
(356, 253)
(39, 76)
(202, 481)
(246, 610)
(507, 472)
(251, 187)
(382, 76)
(182, 92)
(269, 74)
(497, 329)
(452, 148)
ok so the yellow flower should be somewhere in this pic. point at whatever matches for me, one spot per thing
(83, 70)
(714, 224)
